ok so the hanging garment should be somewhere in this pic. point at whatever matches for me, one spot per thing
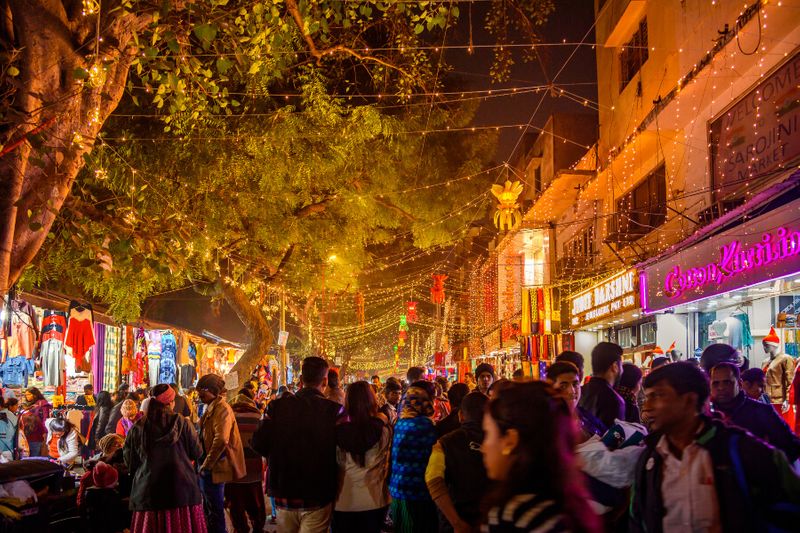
(98, 355)
(80, 338)
(139, 357)
(192, 354)
(24, 330)
(16, 370)
(153, 356)
(525, 319)
(747, 336)
(51, 351)
(182, 355)
(188, 376)
(111, 358)
(167, 371)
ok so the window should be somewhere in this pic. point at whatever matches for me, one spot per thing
(647, 333)
(644, 208)
(633, 55)
(581, 245)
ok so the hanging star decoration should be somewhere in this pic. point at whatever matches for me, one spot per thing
(437, 291)
(508, 215)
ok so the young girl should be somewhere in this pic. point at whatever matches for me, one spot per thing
(63, 440)
(130, 414)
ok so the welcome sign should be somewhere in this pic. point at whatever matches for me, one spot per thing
(759, 133)
(760, 249)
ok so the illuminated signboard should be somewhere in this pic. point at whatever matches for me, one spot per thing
(761, 249)
(616, 294)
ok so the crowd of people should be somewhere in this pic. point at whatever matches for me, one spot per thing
(679, 446)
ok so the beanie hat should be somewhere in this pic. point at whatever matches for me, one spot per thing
(772, 338)
(212, 383)
(482, 368)
(104, 475)
(108, 441)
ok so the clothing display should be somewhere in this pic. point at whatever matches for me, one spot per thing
(80, 337)
(20, 330)
(153, 356)
(98, 355)
(188, 376)
(15, 371)
(167, 371)
(112, 347)
(51, 351)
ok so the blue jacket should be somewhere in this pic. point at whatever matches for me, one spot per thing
(763, 422)
(15, 371)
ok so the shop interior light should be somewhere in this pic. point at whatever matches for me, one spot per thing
(635, 315)
(797, 280)
(692, 308)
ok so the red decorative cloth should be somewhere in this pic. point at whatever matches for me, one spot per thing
(180, 520)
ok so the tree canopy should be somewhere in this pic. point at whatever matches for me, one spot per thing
(256, 140)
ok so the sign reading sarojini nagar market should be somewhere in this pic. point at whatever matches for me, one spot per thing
(759, 133)
(612, 296)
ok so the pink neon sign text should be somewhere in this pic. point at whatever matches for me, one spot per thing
(734, 259)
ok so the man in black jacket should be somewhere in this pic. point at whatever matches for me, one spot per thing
(455, 475)
(697, 474)
(598, 396)
(298, 437)
(730, 402)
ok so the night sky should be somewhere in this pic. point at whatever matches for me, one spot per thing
(571, 20)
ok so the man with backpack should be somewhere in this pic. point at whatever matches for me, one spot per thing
(697, 474)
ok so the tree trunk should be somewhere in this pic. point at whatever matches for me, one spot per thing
(56, 115)
(261, 338)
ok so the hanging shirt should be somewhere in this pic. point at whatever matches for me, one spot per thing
(182, 355)
(168, 369)
(154, 344)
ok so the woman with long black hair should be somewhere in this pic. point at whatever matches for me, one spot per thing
(159, 450)
(102, 410)
(363, 444)
(63, 440)
(529, 438)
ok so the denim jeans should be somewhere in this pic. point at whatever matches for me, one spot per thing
(214, 503)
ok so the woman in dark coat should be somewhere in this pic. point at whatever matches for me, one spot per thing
(159, 450)
(102, 410)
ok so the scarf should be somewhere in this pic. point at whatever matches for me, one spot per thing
(416, 403)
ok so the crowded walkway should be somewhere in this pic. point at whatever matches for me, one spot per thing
(679, 447)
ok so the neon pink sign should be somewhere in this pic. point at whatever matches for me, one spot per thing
(734, 259)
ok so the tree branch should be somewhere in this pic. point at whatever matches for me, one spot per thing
(316, 207)
(400, 211)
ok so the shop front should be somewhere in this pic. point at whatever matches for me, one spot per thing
(732, 285)
(610, 311)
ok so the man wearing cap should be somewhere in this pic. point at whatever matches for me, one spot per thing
(223, 457)
(485, 376)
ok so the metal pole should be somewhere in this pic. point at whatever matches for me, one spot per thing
(284, 361)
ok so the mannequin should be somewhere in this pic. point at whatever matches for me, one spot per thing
(779, 372)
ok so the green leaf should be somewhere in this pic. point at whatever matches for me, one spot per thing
(205, 32)
(80, 73)
(419, 28)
